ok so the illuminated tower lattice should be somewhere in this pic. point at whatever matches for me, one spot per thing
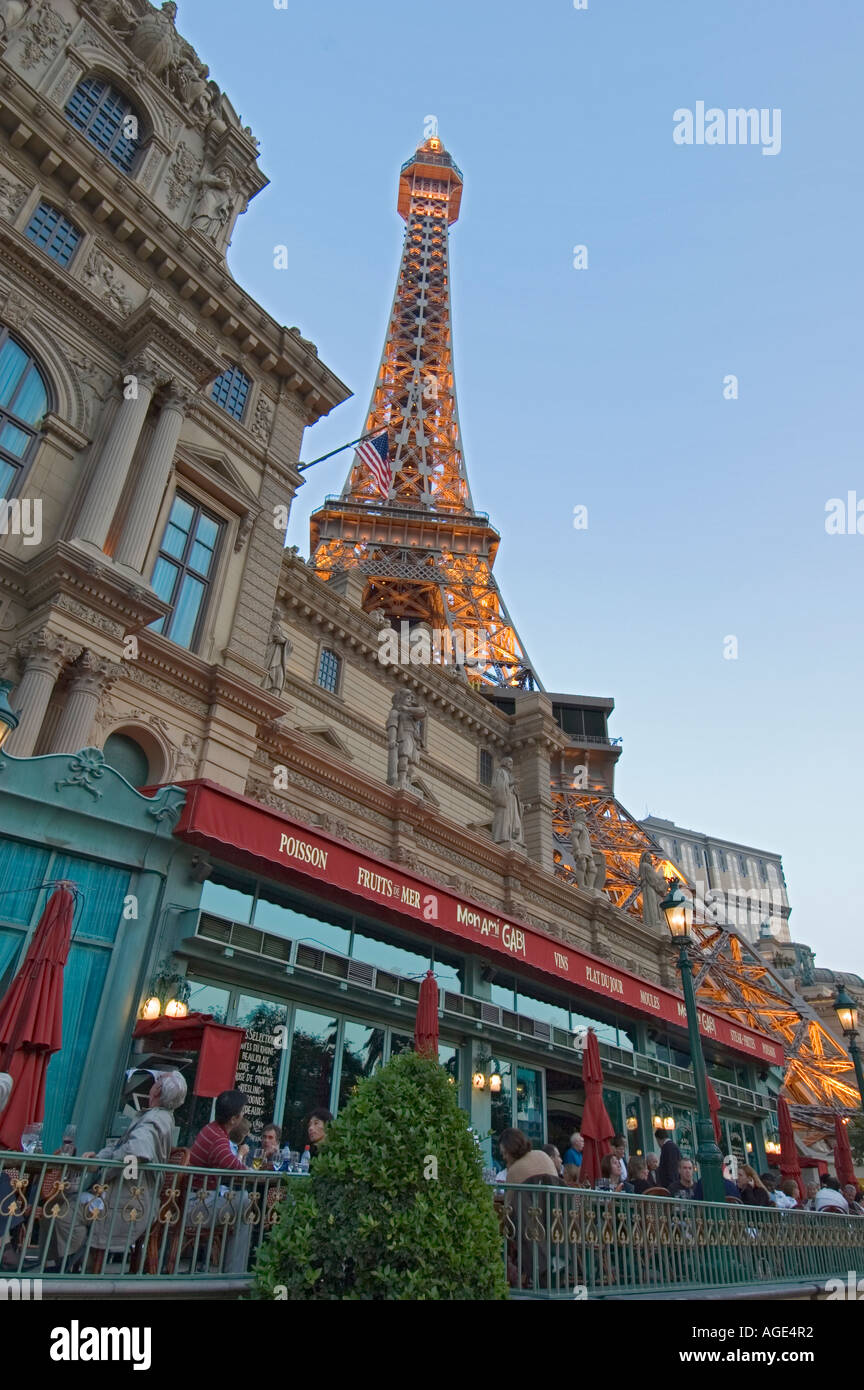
(426, 555)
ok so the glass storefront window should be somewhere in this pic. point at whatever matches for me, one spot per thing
(275, 913)
(530, 1005)
(606, 1032)
(449, 1059)
(614, 1103)
(387, 957)
(225, 898)
(529, 1103)
(261, 1055)
(208, 999)
(448, 974)
(401, 1042)
(362, 1054)
(504, 996)
(633, 1131)
(502, 1110)
(313, 1049)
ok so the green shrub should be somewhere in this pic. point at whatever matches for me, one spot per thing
(371, 1222)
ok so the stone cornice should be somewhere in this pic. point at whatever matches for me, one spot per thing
(67, 572)
(163, 246)
(306, 598)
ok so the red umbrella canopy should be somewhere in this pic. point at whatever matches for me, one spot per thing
(714, 1106)
(31, 1017)
(426, 1026)
(597, 1128)
(789, 1165)
(843, 1165)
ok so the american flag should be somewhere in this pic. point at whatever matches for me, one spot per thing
(375, 454)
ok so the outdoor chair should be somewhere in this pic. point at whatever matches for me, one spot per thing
(656, 1192)
(168, 1215)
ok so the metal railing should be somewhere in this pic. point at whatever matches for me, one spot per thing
(65, 1221)
(564, 1242)
(69, 1219)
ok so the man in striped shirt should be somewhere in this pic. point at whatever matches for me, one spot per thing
(212, 1149)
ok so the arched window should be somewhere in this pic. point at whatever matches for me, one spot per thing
(128, 758)
(53, 233)
(23, 407)
(231, 391)
(107, 118)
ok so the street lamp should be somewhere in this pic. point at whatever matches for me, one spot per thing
(678, 910)
(847, 1012)
(8, 719)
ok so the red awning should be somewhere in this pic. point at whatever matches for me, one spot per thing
(217, 1045)
(242, 831)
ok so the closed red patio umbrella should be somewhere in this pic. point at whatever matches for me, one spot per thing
(789, 1165)
(31, 1017)
(714, 1106)
(596, 1128)
(843, 1165)
(426, 1025)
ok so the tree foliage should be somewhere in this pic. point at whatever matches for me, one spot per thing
(373, 1221)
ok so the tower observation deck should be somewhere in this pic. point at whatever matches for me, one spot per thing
(426, 554)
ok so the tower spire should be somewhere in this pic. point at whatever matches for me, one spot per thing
(426, 554)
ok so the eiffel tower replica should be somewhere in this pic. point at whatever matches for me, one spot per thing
(424, 551)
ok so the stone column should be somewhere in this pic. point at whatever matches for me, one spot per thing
(109, 478)
(91, 677)
(44, 655)
(150, 486)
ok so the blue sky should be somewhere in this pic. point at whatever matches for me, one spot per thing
(604, 387)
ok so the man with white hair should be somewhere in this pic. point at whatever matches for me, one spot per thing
(127, 1215)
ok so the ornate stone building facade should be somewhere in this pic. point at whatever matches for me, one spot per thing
(148, 401)
(151, 419)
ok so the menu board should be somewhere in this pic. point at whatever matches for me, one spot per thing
(257, 1073)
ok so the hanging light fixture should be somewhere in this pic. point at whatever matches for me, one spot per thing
(176, 1008)
(152, 1008)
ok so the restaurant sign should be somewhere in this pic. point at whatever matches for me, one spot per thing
(247, 832)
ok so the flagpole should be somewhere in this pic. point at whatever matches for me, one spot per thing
(301, 467)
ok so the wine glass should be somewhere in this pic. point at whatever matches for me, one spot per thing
(31, 1138)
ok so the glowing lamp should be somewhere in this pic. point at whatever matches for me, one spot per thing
(175, 1008)
(678, 911)
(152, 1007)
(478, 1081)
(846, 1011)
(632, 1122)
(495, 1082)
(669, 1122)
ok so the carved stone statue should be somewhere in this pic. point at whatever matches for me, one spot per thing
(404, 739)
(654, 890)
(278, 655)
(583, 853)
(154, 39)
(214, 203)
(12, 15)
(507, 820)
(600, 872)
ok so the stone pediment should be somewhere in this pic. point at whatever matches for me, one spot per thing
(220, 474)
(323, 733)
